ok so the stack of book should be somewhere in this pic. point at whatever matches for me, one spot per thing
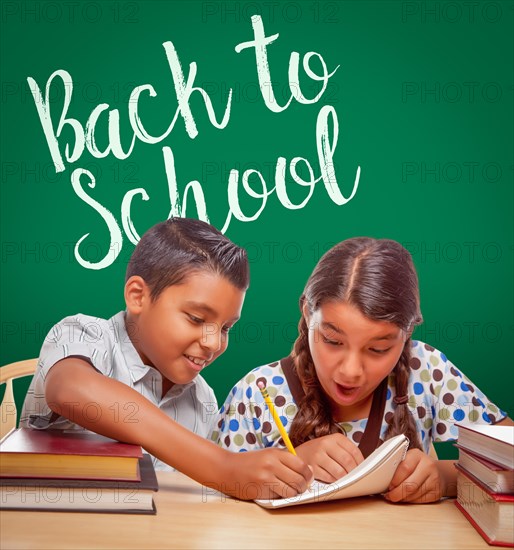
(485, 481)
(74, 471)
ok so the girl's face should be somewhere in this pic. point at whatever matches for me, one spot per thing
(186, 327)
(352, 355)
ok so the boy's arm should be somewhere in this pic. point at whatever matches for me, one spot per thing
(73, 384)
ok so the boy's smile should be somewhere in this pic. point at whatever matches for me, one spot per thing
(186, 327)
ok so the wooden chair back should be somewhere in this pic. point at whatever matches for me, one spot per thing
(8, 373)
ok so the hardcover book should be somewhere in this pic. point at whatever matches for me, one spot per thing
(59, 454)
(79, 495)
(490, 513)
(494, 443)
(498, 478)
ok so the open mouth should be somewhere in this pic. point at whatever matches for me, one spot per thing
(347, 391)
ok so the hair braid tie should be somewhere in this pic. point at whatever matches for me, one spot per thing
(401, 399)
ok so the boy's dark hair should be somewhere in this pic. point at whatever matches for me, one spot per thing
(377, 277)
(171, 250)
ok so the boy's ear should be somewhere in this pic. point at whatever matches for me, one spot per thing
(136, 293)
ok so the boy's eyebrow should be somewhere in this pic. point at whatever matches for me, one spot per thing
(331, 326)
(207, 309)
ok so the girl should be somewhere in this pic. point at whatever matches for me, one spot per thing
(136, 376)
(355, 378)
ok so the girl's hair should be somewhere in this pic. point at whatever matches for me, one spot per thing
(379, 279)
(170, 251)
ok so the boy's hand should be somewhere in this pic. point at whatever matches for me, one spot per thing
(265, 474)
(331, 456)
(416, 480)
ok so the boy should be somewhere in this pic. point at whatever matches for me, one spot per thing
(136, 378)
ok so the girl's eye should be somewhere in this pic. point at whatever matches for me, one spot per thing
(225, 329)
(379, 351)
(331, 342)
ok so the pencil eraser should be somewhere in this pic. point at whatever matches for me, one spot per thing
(261, 385)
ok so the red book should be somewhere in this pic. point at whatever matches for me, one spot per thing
(498, 478)
(495, 443)
(82, 495)
(490, 513)
(66, 455)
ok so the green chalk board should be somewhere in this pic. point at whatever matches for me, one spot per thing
(420, 94)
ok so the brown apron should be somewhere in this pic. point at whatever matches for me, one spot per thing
(371, 436)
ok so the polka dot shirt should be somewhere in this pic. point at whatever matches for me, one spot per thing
(440, 396)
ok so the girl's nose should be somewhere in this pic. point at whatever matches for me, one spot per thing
(351, 367)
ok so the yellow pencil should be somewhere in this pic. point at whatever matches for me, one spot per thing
(276, 418)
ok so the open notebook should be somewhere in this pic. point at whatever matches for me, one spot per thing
(370, 477)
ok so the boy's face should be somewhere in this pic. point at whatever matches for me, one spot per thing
(186, 327)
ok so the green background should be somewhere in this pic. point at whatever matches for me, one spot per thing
(423, 95)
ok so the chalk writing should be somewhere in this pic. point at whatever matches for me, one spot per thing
(69, 138)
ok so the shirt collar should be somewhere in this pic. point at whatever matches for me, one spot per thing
(136, 367)
(138, 370)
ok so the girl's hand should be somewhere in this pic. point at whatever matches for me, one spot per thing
(331, 456)
(417, 480)
(264, 474)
